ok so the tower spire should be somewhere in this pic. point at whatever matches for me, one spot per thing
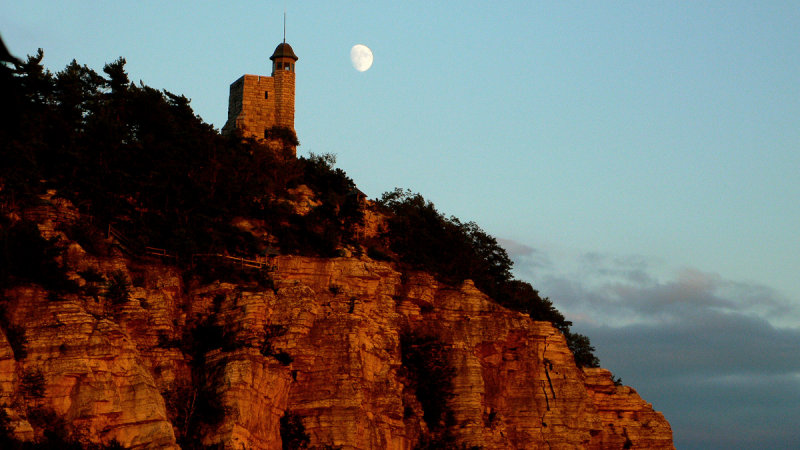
(284, 25)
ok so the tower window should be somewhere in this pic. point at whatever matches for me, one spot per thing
(266, 94)
(266, 133)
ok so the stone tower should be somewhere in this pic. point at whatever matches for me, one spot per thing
(258, 103)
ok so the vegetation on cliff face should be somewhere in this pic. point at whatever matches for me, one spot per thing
(25, 256)
(424, 238)
(140, 159)
(429, 375)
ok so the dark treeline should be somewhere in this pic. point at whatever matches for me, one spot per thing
(141, 159)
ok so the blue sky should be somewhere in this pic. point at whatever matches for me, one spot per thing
(639, 160)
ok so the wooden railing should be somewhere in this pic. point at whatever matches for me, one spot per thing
(123, 243)
(265, 263)
(134, 249)
(160, 252)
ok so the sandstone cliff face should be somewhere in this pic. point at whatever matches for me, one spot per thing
(322, 345)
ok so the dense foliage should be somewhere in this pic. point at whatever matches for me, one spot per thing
(140, 159)
(453, 250)
(333, 223)
(25, 256)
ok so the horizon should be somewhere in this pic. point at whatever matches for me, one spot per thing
(638, 162)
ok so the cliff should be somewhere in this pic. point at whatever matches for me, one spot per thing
(316, 354)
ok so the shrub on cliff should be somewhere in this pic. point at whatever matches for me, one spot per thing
(32, 384)
(14, 333)
(521, 296)
(293, 432)
(88, 236)
(118, 288)
(17, 341)
(194, 404)
(284, 135)
(25, 256)
(201, 339)
(55, 432)
(429, 375)
(334, 221)
(191, 409)
(267, 349)
(582, 349)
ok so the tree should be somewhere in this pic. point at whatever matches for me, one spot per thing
(582, 350)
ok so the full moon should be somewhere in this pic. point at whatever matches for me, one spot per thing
(361, 57)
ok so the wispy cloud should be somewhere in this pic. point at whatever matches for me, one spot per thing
(533, 258)
(624, 290)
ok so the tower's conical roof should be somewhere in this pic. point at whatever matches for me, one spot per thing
(283, 50)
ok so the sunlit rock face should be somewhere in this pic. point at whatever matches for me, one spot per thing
(184, 361)
(626, 418)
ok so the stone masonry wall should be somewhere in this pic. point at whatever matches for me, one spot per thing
(284, 98)
(252, 111)
(248, 110)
